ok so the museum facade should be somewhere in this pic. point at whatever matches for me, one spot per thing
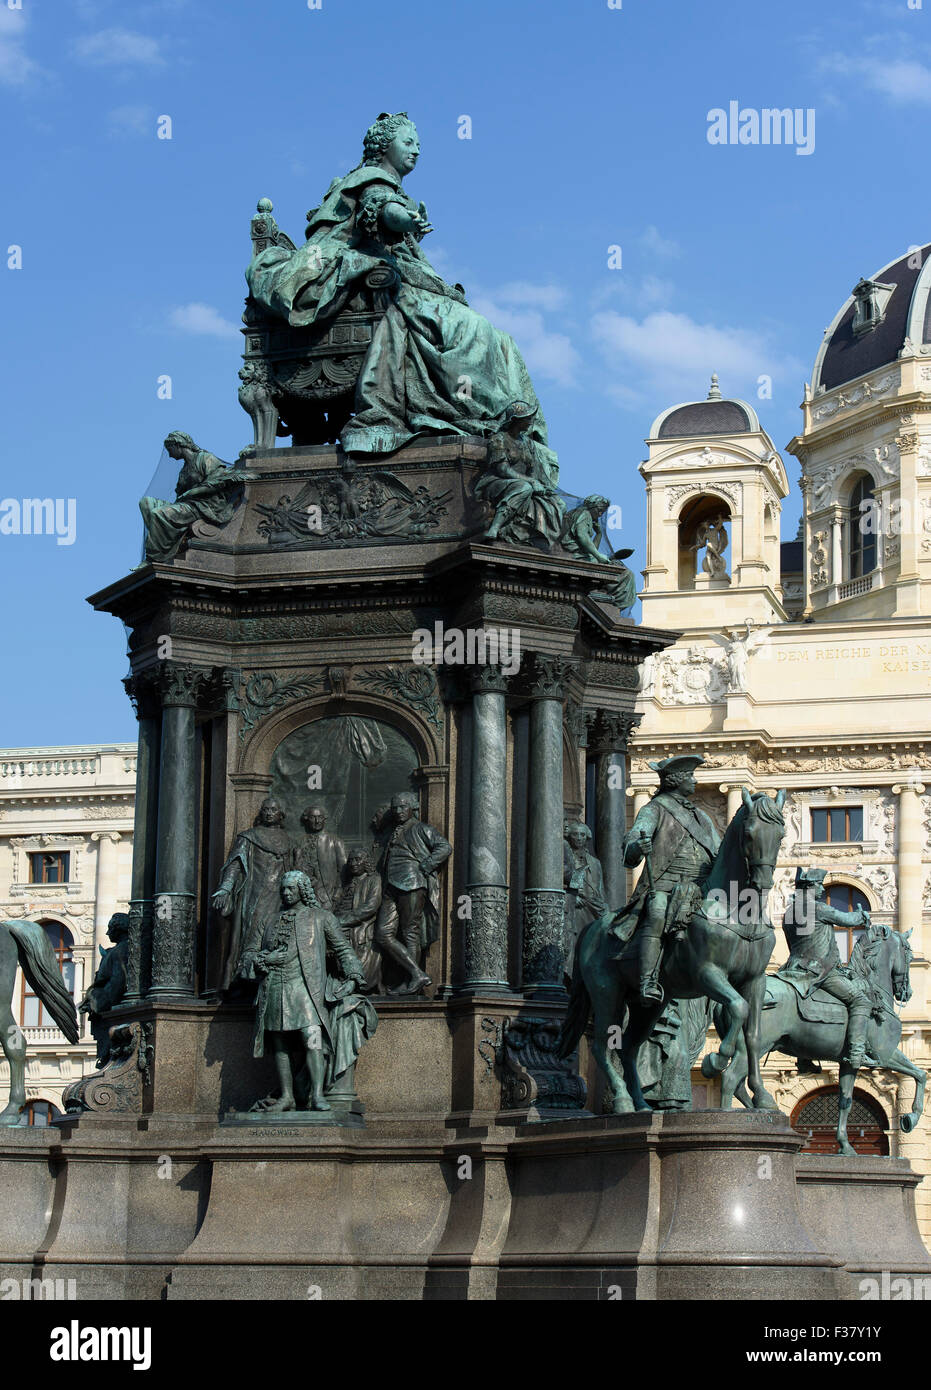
(66, 830)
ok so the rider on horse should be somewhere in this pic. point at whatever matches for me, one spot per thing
(681, 842)
(814, 960)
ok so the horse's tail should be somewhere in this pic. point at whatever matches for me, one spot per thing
(41, 970)
(580, 1004)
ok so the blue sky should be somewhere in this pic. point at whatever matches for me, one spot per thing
(588, 131)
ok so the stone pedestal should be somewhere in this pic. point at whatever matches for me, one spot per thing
(864, 1208)
(708, 1205)
(691, 1205)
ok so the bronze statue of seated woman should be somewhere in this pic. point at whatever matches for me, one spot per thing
(382, 328)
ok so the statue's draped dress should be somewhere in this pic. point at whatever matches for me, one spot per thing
(434, 364)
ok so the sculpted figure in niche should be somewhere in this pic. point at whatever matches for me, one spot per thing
(519, 485)
(321, 856)
(292, 1006)
(250, 882)
(109, 985)
(584, 881)
(434, 365)
(712, 536)
(207, 490)
(356, 908)
(408, 919)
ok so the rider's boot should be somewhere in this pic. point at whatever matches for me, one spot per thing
(807, 1066)
(651, 991)
(856, 1038)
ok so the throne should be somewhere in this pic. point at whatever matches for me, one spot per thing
(301, 381)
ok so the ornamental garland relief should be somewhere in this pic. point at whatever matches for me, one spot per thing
(846, 400)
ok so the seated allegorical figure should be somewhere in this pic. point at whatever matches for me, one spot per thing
(207, 490)
(434, 365)
(582, 535)
(109, 985)
(519, 484)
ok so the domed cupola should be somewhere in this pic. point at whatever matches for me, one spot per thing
(715, 485)
(714, 415)
(865, 450)
(885, 314)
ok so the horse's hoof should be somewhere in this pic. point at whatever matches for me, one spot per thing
(848, 1151)
(714, 1064)
(764, 1102)
(908, 1122)
(621, 1107)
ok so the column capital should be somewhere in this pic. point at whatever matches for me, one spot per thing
(610, 730)
(547, 677)
(114, 836)
(181, 686)
(140, 686)
(910, 786)
(487, 679)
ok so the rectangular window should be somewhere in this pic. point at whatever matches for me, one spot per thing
(51, 867)
(830, 824)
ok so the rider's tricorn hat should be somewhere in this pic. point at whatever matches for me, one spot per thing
(805, 875)
(519, 410)
(681, 762)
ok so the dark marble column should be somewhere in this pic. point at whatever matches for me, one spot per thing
(608, 738)
(175, 875)
(142, 692)
(543, 947)
(485, 953)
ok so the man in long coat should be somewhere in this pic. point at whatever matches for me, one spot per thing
(321, 855)
(292, 996)
(408, 919)
(249, 890)
(681, 842)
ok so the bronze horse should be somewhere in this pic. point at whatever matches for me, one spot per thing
(722, 954)
(881, 960)
(26, 944)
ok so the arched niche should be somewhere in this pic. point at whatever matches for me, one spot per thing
(698, 514)
(350, 764)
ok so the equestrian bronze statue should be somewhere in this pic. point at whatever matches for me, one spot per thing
(706, 933)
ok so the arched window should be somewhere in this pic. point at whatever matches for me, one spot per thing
(815, 1117)
(862, 528)
(847, 899)
(39, 1113)
(32, 1014)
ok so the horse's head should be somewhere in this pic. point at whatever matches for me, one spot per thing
(901, 984)
(761, 835)
(884, 957)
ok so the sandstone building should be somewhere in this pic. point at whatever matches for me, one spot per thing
(805, 662)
